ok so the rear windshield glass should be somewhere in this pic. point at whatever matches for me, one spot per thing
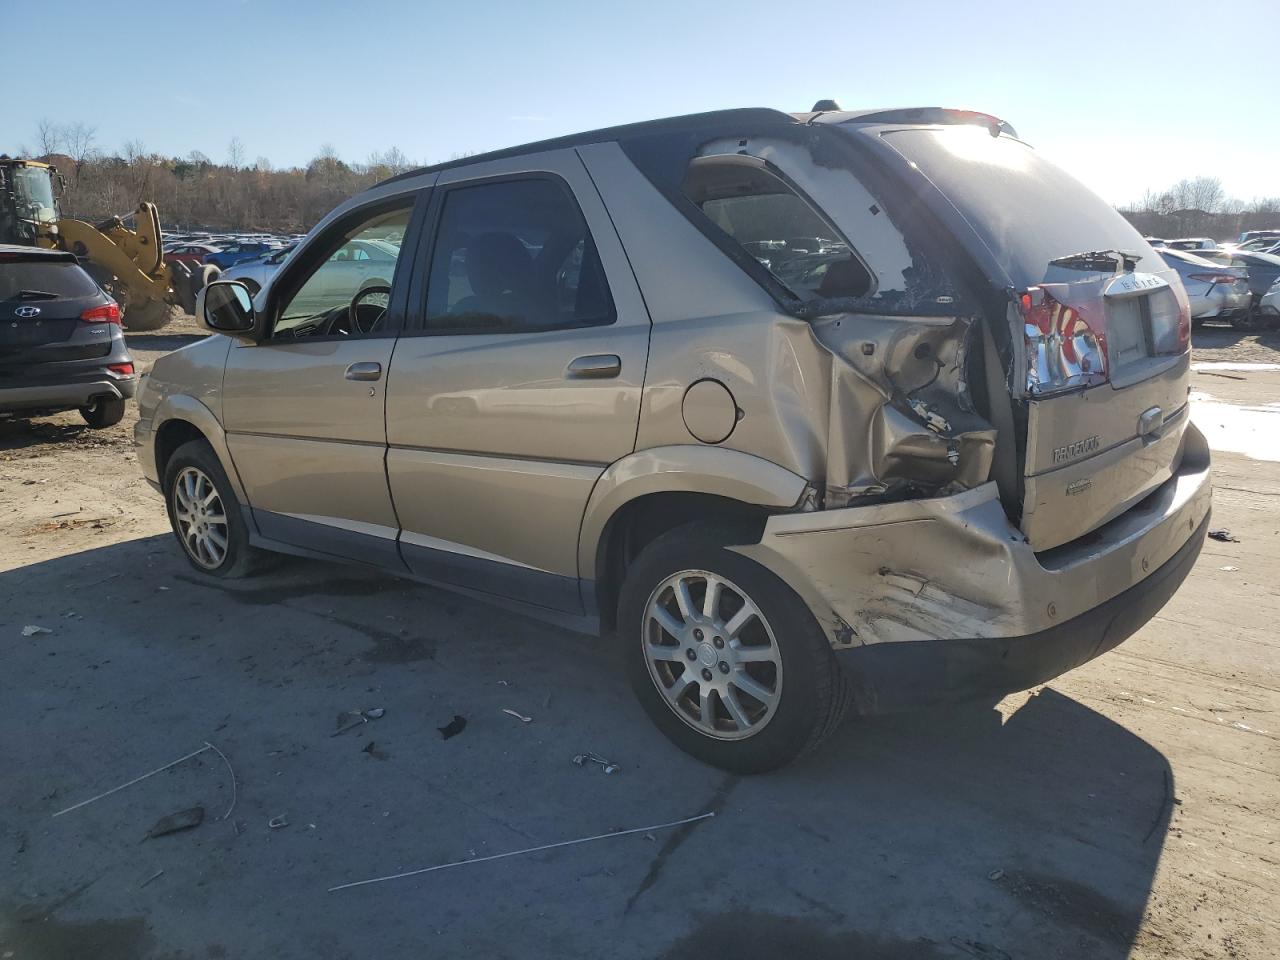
(26, 279)
(1024, 209)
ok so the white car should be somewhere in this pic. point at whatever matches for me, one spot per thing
(1269, 305)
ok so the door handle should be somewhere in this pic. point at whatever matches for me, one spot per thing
(597, 366)
(364, 370)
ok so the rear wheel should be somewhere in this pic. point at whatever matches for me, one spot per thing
(204, 514)
(106, 412)
(726, 659)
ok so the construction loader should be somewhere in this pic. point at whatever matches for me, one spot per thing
(127, 263)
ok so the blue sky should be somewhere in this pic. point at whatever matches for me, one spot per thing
(1125, 96)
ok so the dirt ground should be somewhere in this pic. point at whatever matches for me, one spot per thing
(1129, 808)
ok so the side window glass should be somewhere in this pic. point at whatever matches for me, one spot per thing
(349, 291)
(778, 227)
(515, 256)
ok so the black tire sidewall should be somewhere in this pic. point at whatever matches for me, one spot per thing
(807, 662)
(104, 413)
(198, 453)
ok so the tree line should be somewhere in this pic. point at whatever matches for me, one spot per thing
(1200, 207)
(194, 192)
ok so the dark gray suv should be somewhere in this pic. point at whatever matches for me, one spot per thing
(61, 347)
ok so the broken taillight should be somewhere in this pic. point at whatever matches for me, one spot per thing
(107, 313)
(1063, 351)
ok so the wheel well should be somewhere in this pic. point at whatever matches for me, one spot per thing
(641, 521)
(172, 435)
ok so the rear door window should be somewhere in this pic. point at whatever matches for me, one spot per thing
(512, 256)
(773, 222)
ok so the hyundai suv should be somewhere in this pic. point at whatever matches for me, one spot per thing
(61, 347)
(944, 452)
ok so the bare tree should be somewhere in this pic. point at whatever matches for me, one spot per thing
(235, 153)
(49, 137)
(262, 165)
(79, 139)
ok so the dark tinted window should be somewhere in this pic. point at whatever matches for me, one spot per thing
(61, 278)
(515, 256)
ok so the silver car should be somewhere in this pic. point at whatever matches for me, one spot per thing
(255, 273)
(1213, 291)
(945, 454)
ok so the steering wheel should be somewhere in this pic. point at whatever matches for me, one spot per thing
(364, 317)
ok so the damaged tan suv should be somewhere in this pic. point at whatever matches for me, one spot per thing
(811, 411)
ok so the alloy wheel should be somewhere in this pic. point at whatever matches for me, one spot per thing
(712, 655)
(202, 520)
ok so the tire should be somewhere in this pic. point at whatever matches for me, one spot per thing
(1250, 321)
(146, 316)
(785, 656)
(180, 280)
(191, 462)
(106, 412)
(208, 273)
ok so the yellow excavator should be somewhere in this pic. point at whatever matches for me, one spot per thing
(127, 263)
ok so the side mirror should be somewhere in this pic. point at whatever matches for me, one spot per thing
(225, 306)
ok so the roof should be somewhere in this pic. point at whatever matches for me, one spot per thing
(628, 131)
(12, 251)
(717, 118)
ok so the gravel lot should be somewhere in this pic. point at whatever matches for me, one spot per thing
(1127, 809)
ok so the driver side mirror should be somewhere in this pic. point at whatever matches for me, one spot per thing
(225, 306)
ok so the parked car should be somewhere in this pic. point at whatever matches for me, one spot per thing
(1262, 271)
(1258, 245)
(192, 254)
(917, 475)
(1156, 242)
(1192, 243)
(1250, 235)
(61, 347)
(255, 273)
(1269, 305)
(1214, 291)
(235, 251)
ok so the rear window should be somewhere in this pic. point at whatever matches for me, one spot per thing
(1025, 210)
(62, 278)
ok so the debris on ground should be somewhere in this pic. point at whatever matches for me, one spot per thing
(350, 719)
(1229, 568)
(517, 853)
(519, 716)
(152, 773)
(371, 748)
(155, 876)
(1223, 536)
(275, 823)
(30, 630)
(453, 727)
(230, 809)
(995, 875)
(582, 759)
(175, 822)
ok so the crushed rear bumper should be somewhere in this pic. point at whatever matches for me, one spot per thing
(944, 599)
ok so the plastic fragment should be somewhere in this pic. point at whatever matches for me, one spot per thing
(1223, 536)
(453, 727)
(182, 820)
(30, 630)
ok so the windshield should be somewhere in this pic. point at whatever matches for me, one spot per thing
(1025, 210)
(33, 193)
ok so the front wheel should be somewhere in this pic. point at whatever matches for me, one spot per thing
(204, 514)
(725, 657)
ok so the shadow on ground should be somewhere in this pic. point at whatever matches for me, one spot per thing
(951, 834)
